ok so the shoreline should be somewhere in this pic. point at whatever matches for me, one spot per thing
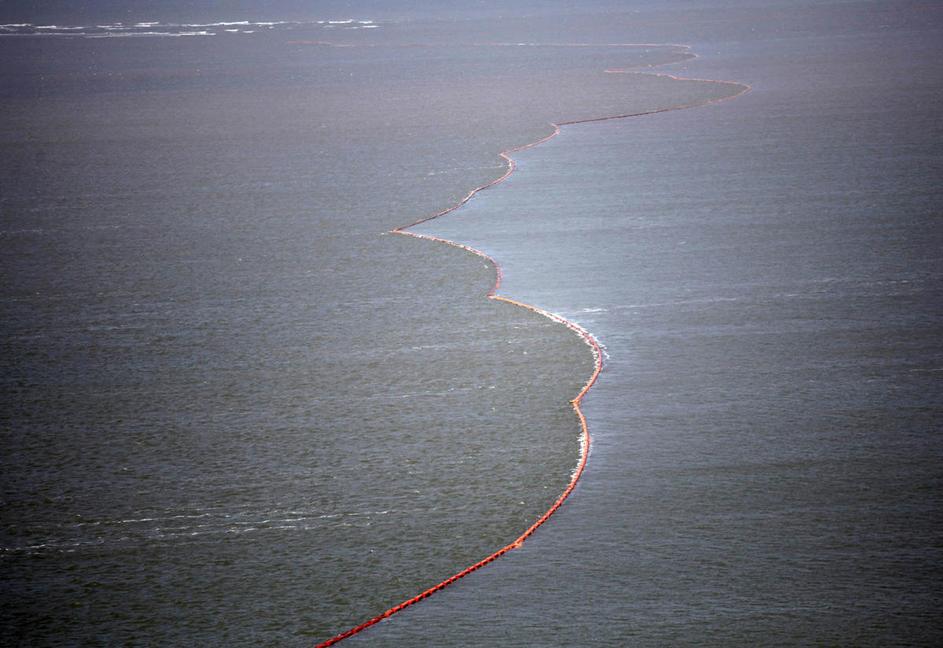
(588, 338)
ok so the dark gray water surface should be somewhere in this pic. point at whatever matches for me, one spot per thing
(233, 408)
(235, 411)
(765, 274)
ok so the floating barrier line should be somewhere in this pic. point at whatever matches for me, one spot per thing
(585, 335)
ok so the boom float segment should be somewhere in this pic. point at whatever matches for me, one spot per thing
(585, 335)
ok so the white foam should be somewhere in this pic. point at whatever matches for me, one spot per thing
(44, 33)
(339, 22)
(218, 24)
(150, 28)
(192, 33)
(151, 34)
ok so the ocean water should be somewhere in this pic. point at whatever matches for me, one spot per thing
(765, 274)
(236, 410)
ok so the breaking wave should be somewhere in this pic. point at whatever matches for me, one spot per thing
(158, 28)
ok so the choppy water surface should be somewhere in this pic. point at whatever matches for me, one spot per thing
(235, 411)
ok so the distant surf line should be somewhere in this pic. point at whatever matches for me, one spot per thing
(585, 335)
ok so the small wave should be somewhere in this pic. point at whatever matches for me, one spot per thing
(157, 28)
(168, 526)
(150, 34)
(229, 23)
(42, 33)
(138, 520)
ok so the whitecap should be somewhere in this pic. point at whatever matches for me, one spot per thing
(45, 33)
(229, 23)
(150, 34)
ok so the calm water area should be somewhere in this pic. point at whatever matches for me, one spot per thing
(236, 410)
